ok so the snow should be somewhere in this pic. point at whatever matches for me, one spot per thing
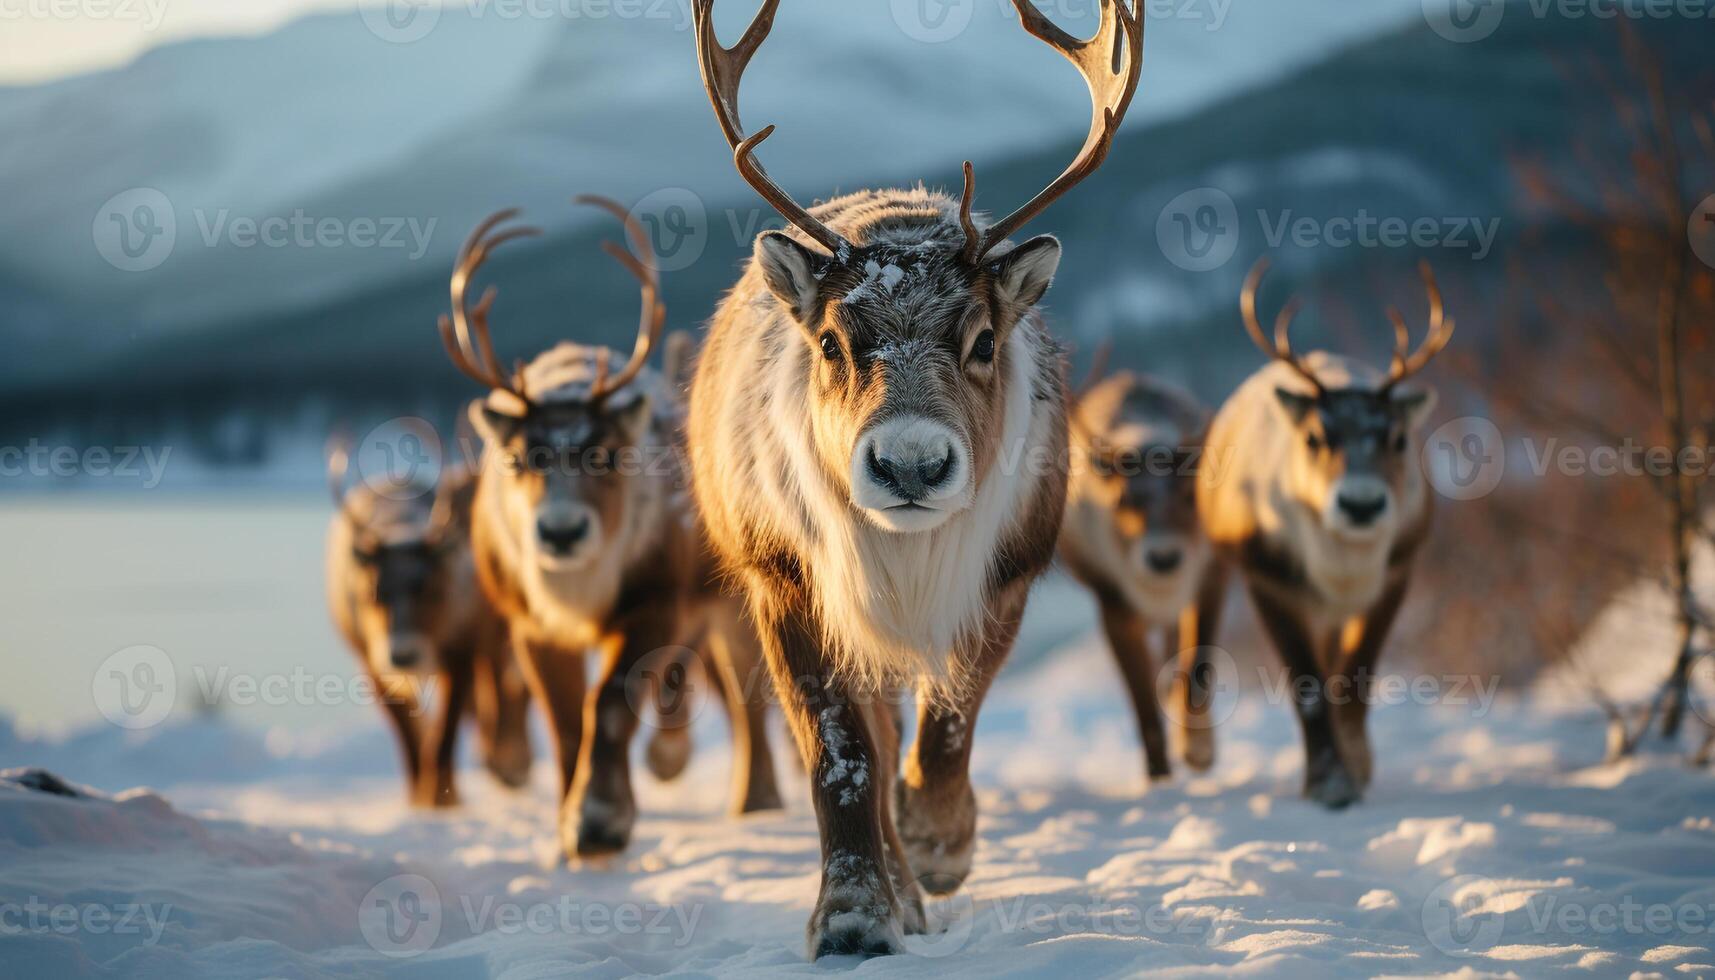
(1494, 840)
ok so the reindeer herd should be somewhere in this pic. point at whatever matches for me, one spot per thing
(875, 457)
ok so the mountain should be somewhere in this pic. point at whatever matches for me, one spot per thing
(1405, 125)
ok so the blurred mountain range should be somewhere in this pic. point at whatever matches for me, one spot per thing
(1322, 110)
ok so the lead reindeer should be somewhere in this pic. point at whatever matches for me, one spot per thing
(583, 539)
(878, 441)
(402, 590)
(1133, 539)
(1322, 503)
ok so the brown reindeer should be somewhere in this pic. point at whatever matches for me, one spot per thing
(402, 590)
(1133, 539)
(878, 443)
(1322, 503)
(584, 538)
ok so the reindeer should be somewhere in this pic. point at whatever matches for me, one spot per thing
(402, 590)
(1322, 503)
(584, 539)
(1132, 538)
(878, 443)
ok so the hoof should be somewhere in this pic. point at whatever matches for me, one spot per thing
(1336, 790)
(510, 766)
(603, 828)
(939, 846)
(435, 797)
(668, 753)
(856, 933)
(1198, 752)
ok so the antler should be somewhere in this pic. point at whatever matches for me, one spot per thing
(1111, 63)
(1406, 363)
(465, 334)
(722, 69)
(1280, 348)
(640, 260)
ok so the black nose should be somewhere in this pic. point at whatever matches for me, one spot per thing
(406, 654)
(1362, 510)
(561, 540)
(913, 480)
(1163, 560)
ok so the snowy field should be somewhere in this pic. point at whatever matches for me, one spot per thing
(1493, 841)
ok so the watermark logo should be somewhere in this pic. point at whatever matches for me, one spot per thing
(1454, 917)
(1198, 231)
(678, 226)
(401, 917)
(401, 21)
(1204, 679)
(1465, 458)
(933, 21)
(1464, 21)
(135, 688)
(400, 459)
(1702, 231)
(135, 231)
(665, 688)
(951, 922)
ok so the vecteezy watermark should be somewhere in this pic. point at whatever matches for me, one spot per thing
(36, 916)
(1465, 21)
(138, 230)
(405, 914)
(147, 13)
(135, 687)
(138, 687)
(1043, 918)
(1200, 230)
(401, 916)
(1701, 228)
(1203, 680)
(135, 231)
(1465, 458)
(35, 460)
(409, 21)
(1464, 916)
(678, 226)
(400, 459)
(667, 689)
(935, 21)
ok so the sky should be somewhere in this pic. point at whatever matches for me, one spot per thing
(42, 40)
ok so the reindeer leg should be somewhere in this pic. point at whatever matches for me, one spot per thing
(1194, 681)
(502, 705)
(857, 911)
(1326, 779)
(440, 740)
(668, 751)
(400, 706)
(735, 665)
(937, 809)
(556, 679)
(602, 796)
(1360, 649)
(1128, 638)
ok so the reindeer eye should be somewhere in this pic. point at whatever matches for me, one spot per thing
(1313, 442)
(830, 346)
(983, 350)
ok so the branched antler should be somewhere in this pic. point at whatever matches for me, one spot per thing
(1405, 362)
(640, 261)
(1280, 348)
(1111, 63)
(465, 333)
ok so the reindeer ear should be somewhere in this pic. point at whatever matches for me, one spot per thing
(1024, 274)
(791, 271)
(1295, 404)
(493, 427)
(1412, 405)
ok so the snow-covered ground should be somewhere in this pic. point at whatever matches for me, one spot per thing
(1494, 841)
